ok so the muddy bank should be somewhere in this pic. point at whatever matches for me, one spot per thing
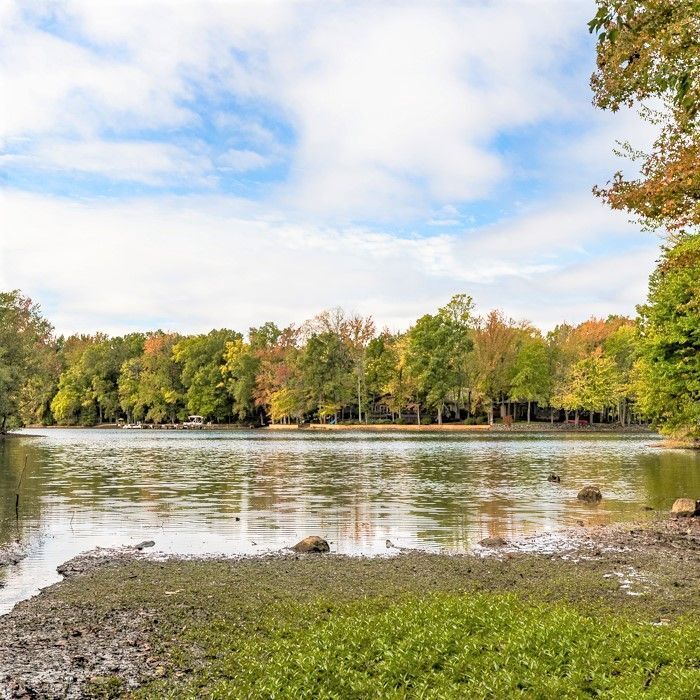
(121, 619)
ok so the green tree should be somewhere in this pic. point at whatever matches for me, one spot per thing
(130, 395)
(239, 370)
(201, 358)
(593, 384)
(429, 361)
(458, 314)
(670, 342)
(622, 346)
(88, 386)
(326, 373)
(532, 380)
(358, 332)
(25, 338)
(159, 388)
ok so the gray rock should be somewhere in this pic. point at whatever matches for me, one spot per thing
(144, 544)
(554, 478)
(312, 544)
(590, 494)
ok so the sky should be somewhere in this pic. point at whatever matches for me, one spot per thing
(191, 165)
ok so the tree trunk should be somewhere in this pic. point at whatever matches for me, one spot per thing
(359, 400)
(439, 416)
(576, 418)
(418, 410)
(551, 416)
(528, 411)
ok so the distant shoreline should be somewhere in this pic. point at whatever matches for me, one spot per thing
(520, 427)
(460, 427)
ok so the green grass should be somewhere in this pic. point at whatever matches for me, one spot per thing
(440, 646)
(411, 626)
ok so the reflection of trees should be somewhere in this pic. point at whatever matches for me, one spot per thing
(670, 474)
(426, 491)
(13, 453)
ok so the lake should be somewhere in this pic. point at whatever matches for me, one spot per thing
(255, 491)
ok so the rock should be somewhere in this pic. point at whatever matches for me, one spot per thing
(492, 542)
(144, 544)
(685, 506)
(554, 478)
(590, 494)
(312, 544)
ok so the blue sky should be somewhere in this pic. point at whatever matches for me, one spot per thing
(192, 165)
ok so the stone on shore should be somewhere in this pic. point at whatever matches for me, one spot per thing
(685, 506)
(312, 544)
(493, 542)
(590, 494)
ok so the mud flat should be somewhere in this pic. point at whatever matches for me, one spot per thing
(123, 623)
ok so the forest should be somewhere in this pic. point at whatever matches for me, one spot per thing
(451, 365)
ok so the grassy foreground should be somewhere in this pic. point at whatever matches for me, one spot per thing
(440, 646)
(602, 623)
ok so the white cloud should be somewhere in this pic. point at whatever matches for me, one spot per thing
(191, 264)
(242, 160)
(395, 113)
(394, 106)
(135, 161)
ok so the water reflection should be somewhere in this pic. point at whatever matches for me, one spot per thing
(84, 488)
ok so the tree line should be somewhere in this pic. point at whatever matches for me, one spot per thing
(451, 365)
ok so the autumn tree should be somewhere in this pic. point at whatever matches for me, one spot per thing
(648, 51)
(278, 372)
(495, 348)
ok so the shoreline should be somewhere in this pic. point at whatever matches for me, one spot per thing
(122, 620)
(520, 427)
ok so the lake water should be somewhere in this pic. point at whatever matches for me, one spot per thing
(254, 491)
